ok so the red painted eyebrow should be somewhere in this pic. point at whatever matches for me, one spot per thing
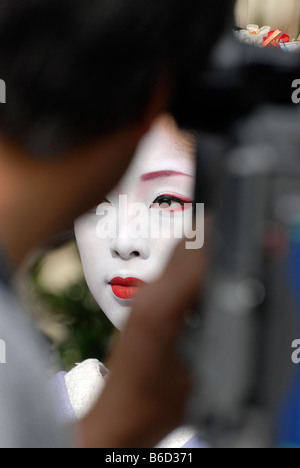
(159, 174)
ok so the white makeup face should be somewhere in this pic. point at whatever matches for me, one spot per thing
(161, 174)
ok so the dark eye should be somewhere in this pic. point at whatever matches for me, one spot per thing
(170, 201)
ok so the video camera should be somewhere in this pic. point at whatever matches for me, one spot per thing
(248, 173)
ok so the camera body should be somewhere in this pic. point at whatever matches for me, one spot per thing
(240, 348)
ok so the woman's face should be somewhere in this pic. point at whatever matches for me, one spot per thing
(146, 208)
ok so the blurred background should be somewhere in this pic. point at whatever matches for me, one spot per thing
(52, 284)
(53, 288)
(283, 15)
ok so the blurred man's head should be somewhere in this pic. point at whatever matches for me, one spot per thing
(76, 69)
(85, 79)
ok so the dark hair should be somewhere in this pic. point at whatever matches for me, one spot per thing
(75, 69)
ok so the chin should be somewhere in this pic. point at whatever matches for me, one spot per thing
(120, 323)
(117, 315)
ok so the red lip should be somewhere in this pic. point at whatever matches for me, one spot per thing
(125, 288)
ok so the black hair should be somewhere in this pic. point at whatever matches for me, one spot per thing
(75, 69)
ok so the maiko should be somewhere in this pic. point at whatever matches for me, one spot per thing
(296, 93)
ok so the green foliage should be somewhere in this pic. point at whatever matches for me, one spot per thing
(88, 331)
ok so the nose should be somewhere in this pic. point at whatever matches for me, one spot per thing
(128, 248)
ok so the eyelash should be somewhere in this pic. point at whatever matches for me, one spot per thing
(169, 199)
